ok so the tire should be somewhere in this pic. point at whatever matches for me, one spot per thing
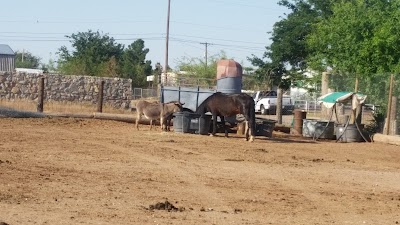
(263, 111)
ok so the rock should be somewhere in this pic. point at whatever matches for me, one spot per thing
(15, 90)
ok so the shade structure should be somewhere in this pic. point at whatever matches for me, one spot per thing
(330, 99)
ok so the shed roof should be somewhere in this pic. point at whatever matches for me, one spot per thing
(6, 50)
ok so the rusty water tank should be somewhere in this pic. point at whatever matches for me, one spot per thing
(299, 116)
(229, 76)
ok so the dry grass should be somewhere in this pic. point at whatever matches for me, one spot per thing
(60, 107)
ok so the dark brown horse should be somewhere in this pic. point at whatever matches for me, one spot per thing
(227, 105)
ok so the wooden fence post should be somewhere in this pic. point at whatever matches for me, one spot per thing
(389, 107)
(40, 95)
(100, 97)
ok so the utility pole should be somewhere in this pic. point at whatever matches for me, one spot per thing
(206, 44)
(166, 43)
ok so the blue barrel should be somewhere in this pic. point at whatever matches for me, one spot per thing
(230, 85)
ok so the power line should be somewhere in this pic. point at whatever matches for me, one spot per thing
(219, 39)
(121, 34)
(243, 4)
(160, 37)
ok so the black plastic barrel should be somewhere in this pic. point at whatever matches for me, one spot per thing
(204, 123)
(182, 121)
(186, 122)
(265, 127)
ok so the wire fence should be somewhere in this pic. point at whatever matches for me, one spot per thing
(139, 93)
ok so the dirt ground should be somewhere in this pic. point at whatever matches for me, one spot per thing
(75, 171)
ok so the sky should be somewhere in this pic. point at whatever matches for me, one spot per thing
(237, 27)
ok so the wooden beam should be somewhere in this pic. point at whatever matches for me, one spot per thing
(387, 139)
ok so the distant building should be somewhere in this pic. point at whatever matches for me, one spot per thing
(7, 58)
(29, 71)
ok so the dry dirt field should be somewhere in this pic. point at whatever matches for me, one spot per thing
(75, 171)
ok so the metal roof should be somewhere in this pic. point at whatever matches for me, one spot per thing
(6, 50)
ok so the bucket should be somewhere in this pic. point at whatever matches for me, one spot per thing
(317, 128)
(351, 134)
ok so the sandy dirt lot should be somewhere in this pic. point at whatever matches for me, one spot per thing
(75, 171)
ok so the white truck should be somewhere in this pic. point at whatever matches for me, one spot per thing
(266, 103)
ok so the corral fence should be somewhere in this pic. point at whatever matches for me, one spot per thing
(314, 111)
(383, 91)
(383, 101)
(139, 93)
(311, 106)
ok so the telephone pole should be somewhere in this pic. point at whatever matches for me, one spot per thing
(206, 44)
(166, 43)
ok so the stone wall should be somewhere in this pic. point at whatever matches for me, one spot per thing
(63, 88)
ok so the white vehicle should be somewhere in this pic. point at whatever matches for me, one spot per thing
(266, 103)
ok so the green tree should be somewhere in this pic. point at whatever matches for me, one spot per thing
(26, 60)
(198, 69)
(361, 39)
(285, 60)
(91, 55)
(50, 66)
(134, 63)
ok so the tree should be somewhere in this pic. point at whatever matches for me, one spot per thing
(361, 40)
(91, 55)
(50, 66)
(97, 54)
(361, 37)
(134, 63)
(268, 74)
(197, 68)
(285, 60)
(26, 60)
